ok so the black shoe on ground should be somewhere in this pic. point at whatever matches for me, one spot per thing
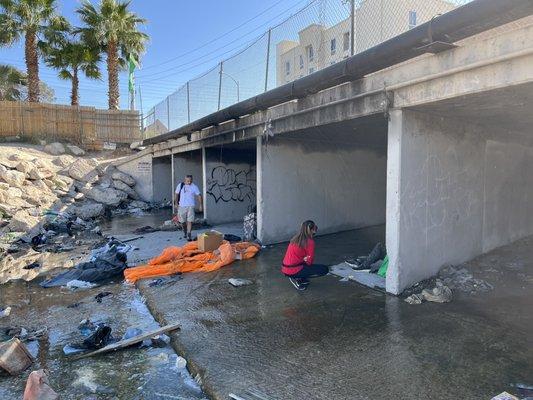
(189, 238)
(298, 284)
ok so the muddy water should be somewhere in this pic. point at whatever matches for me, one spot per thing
(125, 224)
(137, 373)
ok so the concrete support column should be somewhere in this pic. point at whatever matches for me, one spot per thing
(455, 189)
(204, 182)
(173, 188)
(259, 189)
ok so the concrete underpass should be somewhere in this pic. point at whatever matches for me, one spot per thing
(442, 158)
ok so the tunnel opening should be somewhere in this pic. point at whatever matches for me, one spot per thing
(230, 182)
(333, 174)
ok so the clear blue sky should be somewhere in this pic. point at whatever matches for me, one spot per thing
(176, 29)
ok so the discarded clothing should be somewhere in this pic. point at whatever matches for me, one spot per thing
(440, 294)
(188, 258)
(144, 229)
(106, 262)
(384, 267)
(101, 337)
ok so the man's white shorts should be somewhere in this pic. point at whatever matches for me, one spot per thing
(186, 214)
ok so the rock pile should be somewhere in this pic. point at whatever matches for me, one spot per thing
(29, 186)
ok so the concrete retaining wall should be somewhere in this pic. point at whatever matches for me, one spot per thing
(333, 176)
(230, 184)
(454, 190)
(162, 179)
(141, 170)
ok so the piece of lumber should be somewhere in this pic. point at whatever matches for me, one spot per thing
(128, 342)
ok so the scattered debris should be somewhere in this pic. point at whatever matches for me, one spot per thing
(440, 294)
(505, 396)
(4, 312)
(14, 356)
(128, 342)
(38, 387)
(524, 390)
(232, 238)
(237, 282)
(77, 284)
(106, 262)
(145, 229)
(101, 295)
(461, 279)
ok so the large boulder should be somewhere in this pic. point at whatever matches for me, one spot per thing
(63, 161)
(55, 148)
(75, 150)
(13, 178)
(125, 188)
(22, 221)
(14, 192)
(121, 176)
(107, 196)
(89, 210)
(10, 164)
(24, 167)
(83, 170)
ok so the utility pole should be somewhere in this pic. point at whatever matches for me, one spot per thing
(188, 104)
(267, 59)
(352, 26)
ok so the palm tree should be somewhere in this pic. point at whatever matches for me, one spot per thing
(39, 23)
(11, 82)
(72, 56)
(115, 29)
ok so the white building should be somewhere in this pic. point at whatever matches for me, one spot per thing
(375, 21)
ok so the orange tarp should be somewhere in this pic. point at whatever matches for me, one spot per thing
(189, 259)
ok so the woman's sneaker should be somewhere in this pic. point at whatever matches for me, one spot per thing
(299, 284)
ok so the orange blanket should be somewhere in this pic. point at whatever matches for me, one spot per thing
(189, 259)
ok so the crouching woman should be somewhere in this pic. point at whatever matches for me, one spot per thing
(298, 261)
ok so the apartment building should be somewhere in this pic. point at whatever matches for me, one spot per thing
(375, 21)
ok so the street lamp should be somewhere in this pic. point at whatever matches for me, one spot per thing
(236, 83)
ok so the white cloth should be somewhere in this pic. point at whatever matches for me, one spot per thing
(187, 194)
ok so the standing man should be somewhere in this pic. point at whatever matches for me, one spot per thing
(186, 194)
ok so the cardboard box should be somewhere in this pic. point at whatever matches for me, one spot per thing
(210, 240)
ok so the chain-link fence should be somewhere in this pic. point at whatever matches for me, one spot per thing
(318, 35)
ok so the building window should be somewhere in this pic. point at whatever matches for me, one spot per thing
(287, 68)
(346, 41)
(311, 70)
(310, 53)
(301, 61)
(333, 45)
(412, 19)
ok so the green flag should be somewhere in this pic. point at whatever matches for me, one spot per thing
(132, 63)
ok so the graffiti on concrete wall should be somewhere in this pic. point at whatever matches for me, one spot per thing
(226, 184)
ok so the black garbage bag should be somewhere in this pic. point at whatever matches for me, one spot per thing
(100, 338)
(92, 271)
(232, 238)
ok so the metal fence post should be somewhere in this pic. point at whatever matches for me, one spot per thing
(220, 85)
(188, 104)
(168, 113)
(268, 59)
(352, 27)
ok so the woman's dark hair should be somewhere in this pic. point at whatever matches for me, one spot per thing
(307, 230)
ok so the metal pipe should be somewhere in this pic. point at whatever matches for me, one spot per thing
(468, 20)
(267, 59)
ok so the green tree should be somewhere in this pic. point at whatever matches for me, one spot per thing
(38, 22)
(114, 28)
(11, 83)
(72, 56)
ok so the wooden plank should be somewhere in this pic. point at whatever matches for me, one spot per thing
(129, 342)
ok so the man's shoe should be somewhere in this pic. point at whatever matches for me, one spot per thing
(189, 238)
(297, 284)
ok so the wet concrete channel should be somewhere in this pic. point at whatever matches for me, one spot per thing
(337, 340)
